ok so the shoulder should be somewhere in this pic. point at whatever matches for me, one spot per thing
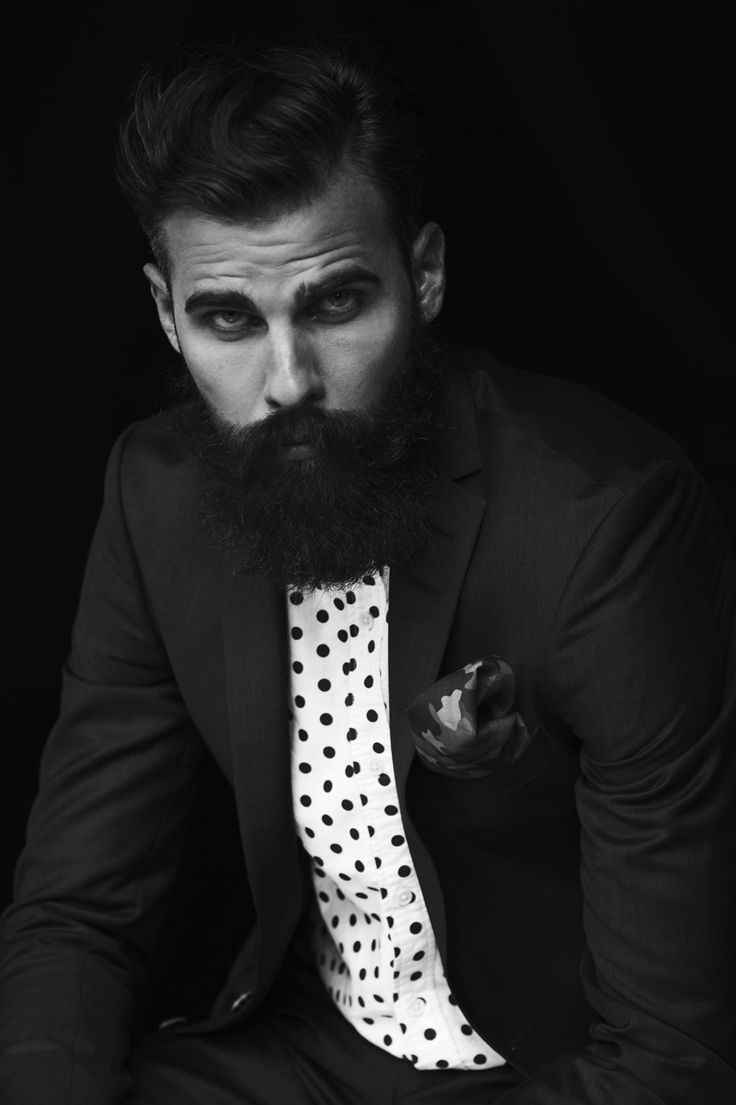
(152, 473)
(150, 449)
(152, 444)
(560, 424)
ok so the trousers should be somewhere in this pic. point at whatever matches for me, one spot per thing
(297, 1049)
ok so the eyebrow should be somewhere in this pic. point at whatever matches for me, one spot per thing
(355, 274)
(232, 300)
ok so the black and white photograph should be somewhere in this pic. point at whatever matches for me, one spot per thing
(371, 511)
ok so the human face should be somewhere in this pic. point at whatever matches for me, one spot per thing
(313, 306)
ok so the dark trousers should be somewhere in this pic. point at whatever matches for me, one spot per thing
(296, 1050)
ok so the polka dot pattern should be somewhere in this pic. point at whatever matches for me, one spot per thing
(373, 939)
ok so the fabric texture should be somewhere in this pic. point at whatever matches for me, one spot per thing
(374, 944)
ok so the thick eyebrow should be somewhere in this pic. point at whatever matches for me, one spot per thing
(224, 301)
(231, 300)
(355, 274)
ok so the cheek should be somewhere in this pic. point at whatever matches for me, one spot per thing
(220, 378)
(366, 367)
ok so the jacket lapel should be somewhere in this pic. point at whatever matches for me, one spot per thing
(423, 598)
(256, 653)
(424, 593)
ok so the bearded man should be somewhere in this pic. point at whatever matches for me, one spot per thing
(457, 636)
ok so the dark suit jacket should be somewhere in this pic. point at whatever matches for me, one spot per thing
(582, 899)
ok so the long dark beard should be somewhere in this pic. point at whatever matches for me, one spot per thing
(359, 501)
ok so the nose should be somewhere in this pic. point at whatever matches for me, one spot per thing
(292, 377)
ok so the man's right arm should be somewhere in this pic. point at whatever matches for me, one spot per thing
(118, 777)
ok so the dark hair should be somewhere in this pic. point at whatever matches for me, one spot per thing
(245, 135)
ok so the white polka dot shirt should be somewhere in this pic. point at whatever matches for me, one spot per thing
(374, 944)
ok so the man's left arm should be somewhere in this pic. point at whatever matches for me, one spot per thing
(641, 669)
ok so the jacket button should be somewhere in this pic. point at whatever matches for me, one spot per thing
(239, 1001)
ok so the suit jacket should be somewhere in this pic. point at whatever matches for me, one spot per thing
(582, 899)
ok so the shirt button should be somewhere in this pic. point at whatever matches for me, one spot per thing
(239, 1001)
(374, 767)
(417, 1007)
(366, 620)
(405, 897)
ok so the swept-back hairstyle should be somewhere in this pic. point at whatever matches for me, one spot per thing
(240, 134)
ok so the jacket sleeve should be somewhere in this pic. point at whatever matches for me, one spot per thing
(641, 668)
(118, 778)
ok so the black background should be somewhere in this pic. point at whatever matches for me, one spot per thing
(581, 176)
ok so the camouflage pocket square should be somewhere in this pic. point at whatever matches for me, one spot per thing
(466, 725)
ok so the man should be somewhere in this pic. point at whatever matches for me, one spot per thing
(459, 637)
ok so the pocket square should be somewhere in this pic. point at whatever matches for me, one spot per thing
(466, 724)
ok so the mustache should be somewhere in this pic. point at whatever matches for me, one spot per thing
(372, 440)
(311, 426)
(352, 437)
(234, 454)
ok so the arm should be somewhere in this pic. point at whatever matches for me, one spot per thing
(118, 777)
(641, 669)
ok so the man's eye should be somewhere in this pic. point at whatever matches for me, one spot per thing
(231, 322)
(337, 304)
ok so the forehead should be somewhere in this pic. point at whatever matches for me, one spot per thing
(347, 223)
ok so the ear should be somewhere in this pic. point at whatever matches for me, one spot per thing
(428, 264)
(164, 306)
